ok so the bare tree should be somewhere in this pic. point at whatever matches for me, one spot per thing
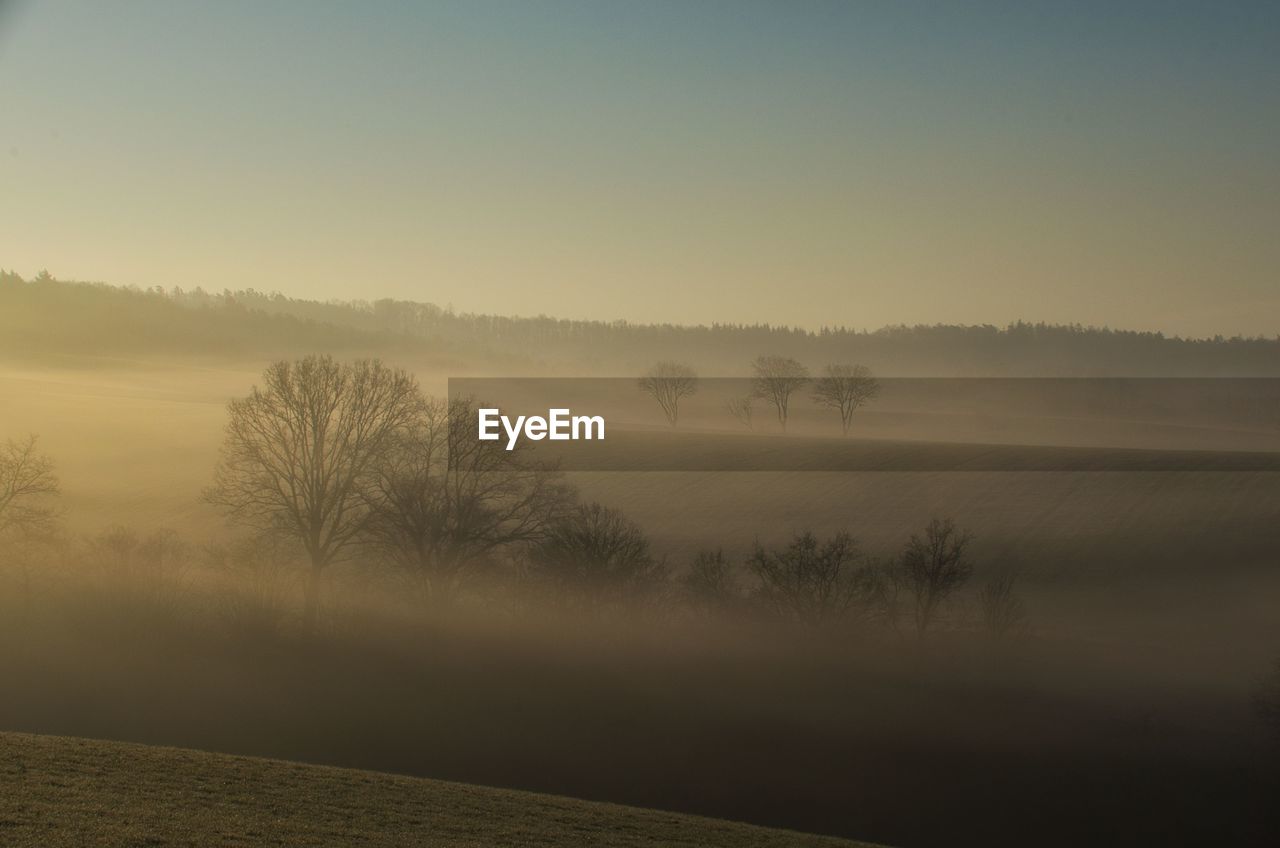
(812, 582)
(300, 454)
(261, 571)
(710, 585)
(141, 575)
(597, 559)
(1003, 610)
(741, 410)
(446, 501)
(27, 487)
(668, 383)
(933, 566)
(888, 587)
(844, 388)
(776, 379)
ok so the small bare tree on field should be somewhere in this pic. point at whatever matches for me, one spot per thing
(597, 559)
(776, 379)
(711, 585)
(932, 568)
(844, 388)
(1003, 610)
(742, 411)
(668, 383)
(888, 588)
(27, 487)
(446, 502)
(301, 453)
(141, 574)
(810, 581)
(261, 571)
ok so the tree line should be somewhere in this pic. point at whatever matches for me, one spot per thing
(47, 315)
(351, 459)
(351, 462)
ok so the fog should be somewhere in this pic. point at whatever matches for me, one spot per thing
(1115, 687)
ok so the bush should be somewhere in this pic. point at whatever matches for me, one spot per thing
(710, 585)
(596, 559)
(811, 582)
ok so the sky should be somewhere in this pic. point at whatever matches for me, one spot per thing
(806, 163)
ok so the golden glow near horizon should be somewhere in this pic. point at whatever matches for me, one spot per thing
(807, 164)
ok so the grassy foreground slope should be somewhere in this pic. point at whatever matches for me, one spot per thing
(64, 791)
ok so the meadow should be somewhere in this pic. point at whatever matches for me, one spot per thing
(83, 791)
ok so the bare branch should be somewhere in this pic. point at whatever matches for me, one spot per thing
(300, 454)
(668, 383)
(776, 379)
(27, 485)
(845, 388)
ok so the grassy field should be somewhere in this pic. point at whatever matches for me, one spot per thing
(64, 791)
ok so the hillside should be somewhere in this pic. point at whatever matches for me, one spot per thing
(63, 791)
(49, 320)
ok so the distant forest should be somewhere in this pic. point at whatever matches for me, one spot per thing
(43, 319)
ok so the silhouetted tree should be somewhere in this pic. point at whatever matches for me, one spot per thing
(776, 379)
(742, 411)
(141, 574)
(262, 570)
(596, 558)
(27, 487)
(1003, 610)
(445, 501)
(844, 388)
(301, 454)
(889, 592)
(711, 585)
(668, 383)
(932, 567)
(812, 582)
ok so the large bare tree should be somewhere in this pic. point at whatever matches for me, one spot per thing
(27, 488)
(668, 383)
(775, 380)
(446, 501)
(301, 453)
(844, 388)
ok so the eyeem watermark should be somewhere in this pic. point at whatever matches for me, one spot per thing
(560, 425)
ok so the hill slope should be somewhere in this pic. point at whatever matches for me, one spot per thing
(63, 791)
(48, 320)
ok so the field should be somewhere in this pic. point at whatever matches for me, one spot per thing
(1110, 530)
(1149, 578)
(63, 791)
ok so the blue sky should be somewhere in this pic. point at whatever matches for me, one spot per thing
(807, 163)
